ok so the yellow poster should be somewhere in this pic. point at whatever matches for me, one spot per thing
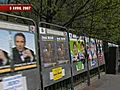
(57, 73)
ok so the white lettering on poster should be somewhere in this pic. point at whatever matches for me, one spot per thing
(47, 38)
(63, 39)
(44, 37)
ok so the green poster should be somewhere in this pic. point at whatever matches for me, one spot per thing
(74, 50)
(77, 52)
(79, 66)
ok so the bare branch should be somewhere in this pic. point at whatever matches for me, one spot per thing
(73, 17)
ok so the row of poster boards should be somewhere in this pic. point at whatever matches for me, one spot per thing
(18, 49)
(60, 49)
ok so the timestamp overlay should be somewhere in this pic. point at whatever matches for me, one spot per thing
(16, 8)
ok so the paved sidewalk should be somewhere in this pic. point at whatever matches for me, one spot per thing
(107, 82)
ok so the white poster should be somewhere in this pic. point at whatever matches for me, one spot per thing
(17, 82)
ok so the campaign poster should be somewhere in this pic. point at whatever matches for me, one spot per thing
(62, 49)
(77, 51)
(100, 52)
(54, 55)
(4, 51)
(48, 50)
(88, 49)
(74, 47)
(23, 49)
(91, 51)
(93, 48)
(81, 51)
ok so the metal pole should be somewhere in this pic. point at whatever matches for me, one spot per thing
(86, 58)
(53, 25)
(40, 64)
(98, 59)
(72, 86)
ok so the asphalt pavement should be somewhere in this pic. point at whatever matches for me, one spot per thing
(107, 82)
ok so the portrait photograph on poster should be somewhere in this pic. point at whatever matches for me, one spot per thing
(91, 51)
(100, 52)
(23, 48)
(77, 52)
(93, 48)
(62, 50)
(4, 49)
(88, 48)
(48, 51)
(74, 50)
(81, 52)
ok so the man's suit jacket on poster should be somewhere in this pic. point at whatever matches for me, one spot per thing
(17, 56)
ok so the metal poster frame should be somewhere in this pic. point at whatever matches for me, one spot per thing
(35, 67)
(67, 66)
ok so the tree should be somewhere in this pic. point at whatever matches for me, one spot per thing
(96, 18)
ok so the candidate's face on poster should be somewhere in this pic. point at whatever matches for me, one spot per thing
(19, 42)
(82, 46)
(74, 50)
(81, 50)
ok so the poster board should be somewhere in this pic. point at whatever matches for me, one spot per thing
(8, 42)
(54, 54)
